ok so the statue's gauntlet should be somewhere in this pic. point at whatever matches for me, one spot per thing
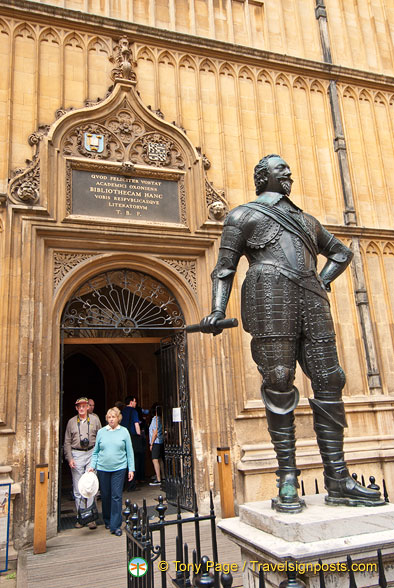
(338, 258)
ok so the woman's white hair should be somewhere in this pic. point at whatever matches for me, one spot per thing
(114, 410)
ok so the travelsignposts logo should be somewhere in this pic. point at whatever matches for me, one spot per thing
(138, 567)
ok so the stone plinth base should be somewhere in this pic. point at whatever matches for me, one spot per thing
(322, 532)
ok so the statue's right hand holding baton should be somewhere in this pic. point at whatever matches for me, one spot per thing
(213, 323)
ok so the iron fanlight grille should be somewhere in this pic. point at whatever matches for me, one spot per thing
(121, 303)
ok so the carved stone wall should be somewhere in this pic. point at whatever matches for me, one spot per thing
(268, 92)
(265, 24)
(64, 262)
(187, 269)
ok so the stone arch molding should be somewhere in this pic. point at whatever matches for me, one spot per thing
(116, 135)
(65, 262)
(175, 276)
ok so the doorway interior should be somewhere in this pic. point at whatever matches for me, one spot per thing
(107, 372)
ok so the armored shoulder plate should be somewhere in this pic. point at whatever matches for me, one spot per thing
(238, 216)
(232, 239)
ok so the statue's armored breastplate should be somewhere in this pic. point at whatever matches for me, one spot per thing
(269, 241)
(264, 231)
(265, 243)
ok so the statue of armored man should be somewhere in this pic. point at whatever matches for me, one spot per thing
(286, 310)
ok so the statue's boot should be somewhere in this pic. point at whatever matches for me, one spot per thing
(329, 422)
(282, 430)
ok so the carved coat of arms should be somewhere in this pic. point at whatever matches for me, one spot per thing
(94, 143)
(157, 151)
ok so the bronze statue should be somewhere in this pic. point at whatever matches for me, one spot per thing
(286, 310)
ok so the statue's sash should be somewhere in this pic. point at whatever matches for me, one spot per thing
(288, 223)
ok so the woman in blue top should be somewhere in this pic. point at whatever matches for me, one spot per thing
(156, 443)
(112, 457)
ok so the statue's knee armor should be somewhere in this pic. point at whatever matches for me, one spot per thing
(280, 402)
(331, 380)
(334, 380)
(279, 379)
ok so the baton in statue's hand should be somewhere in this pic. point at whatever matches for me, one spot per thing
(220, 324)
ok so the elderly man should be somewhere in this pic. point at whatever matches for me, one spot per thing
(91, 405)
(286, 310)
(79, 441)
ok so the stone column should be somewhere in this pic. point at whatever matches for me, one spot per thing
(350, 216)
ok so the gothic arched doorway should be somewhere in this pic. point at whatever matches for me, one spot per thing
(132, 327)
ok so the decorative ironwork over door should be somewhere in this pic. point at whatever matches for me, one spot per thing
(177, 442)
(121, 303)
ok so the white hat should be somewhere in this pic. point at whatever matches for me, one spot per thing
(88, 485)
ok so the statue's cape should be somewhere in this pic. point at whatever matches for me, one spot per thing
(290, 224)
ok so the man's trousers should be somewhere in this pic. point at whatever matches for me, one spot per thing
(82, 461)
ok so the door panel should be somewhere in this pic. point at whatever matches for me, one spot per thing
(177, 441)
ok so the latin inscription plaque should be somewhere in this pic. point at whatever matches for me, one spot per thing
(115, 196)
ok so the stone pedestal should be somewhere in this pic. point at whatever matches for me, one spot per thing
(320, 532)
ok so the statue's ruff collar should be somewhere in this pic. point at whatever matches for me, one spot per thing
(269, 201)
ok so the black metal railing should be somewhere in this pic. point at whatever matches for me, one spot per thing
(139, 546)
(294, 581)
(205, 580)
(372, 484)
(141, 533)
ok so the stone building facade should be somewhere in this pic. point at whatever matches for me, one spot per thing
(188, 94)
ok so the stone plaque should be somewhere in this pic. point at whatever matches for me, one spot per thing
(116, 196)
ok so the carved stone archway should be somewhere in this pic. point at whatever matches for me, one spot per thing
(124, 303)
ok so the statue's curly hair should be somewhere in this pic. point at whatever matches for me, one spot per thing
(260, 175)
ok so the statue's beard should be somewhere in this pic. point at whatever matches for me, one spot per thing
(286, 185)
